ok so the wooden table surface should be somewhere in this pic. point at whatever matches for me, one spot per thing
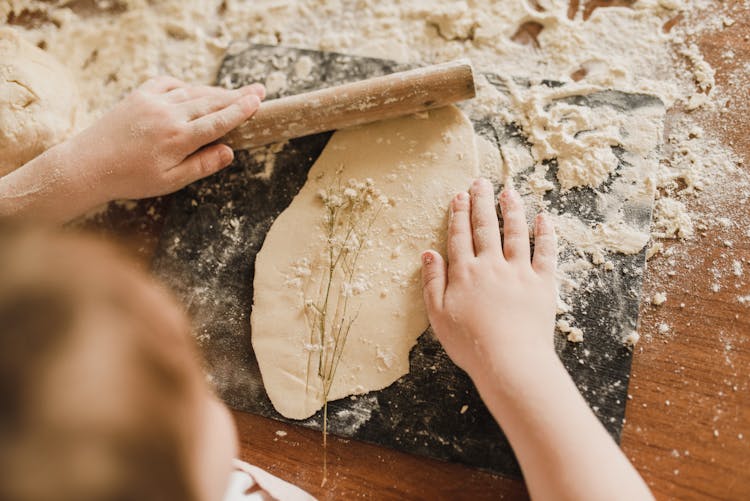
(688, 422)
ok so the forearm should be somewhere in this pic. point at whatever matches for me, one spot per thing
(563, 449)
(52, 188)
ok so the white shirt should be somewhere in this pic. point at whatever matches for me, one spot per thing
(250, 483)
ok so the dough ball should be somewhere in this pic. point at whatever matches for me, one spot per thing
(39, 101)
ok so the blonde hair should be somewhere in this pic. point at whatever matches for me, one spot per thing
(98, 378)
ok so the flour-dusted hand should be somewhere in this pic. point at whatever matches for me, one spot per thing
(155, 140)
(491, 306)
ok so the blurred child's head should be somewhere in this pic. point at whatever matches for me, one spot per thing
(101, 391)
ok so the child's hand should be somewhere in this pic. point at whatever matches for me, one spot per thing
(491, 307)
(154, 141)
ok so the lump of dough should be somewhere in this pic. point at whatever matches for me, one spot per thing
(39, 101)
(387, 186)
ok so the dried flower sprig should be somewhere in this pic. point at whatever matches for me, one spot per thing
(351, 209)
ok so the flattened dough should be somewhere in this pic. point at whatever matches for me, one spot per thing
(411, 167)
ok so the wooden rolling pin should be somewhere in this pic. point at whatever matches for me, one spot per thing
(356, 103)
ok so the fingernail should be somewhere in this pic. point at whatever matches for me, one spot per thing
(427, 258)
(508, 193)
(254, 90)
(226, 155)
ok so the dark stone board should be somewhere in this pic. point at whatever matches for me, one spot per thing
(215, 228)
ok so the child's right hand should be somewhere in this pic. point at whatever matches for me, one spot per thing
(154, 141)
(491, 306)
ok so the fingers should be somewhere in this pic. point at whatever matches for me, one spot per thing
(460, 245)
(515, 229)
(433, 281)
(200, 164)
(211, 127)
(162, 84)
(192, 92)
(484, 223)
(545, 246)
(213, 101)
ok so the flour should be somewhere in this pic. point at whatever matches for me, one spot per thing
(454, 21)
(737, 268)
(632, 338)
(573, 334)
(613, 236)
(702, 71)
(275, 83)
(303, 67)
(671, 219)
(614, 46)
(573, 135)
(266, 156)
(659, 299)
(355, 416)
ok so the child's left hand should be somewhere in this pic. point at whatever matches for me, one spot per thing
(154, 141)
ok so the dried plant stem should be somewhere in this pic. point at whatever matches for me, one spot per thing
(350, 214)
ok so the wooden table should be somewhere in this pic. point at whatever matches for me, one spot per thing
(688, 422)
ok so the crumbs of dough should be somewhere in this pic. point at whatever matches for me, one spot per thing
(276, 83)
(574, 334)
(659, 299)
(385, 358)
(303, 67)
(632, 338)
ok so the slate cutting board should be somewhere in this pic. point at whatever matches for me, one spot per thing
(216, 226)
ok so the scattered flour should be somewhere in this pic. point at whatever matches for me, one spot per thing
(609, 47)
(702, 71)
(275, 83)
(659, 299)
(671, 219)
(632, 338)
(303, 67)
(574, 334)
